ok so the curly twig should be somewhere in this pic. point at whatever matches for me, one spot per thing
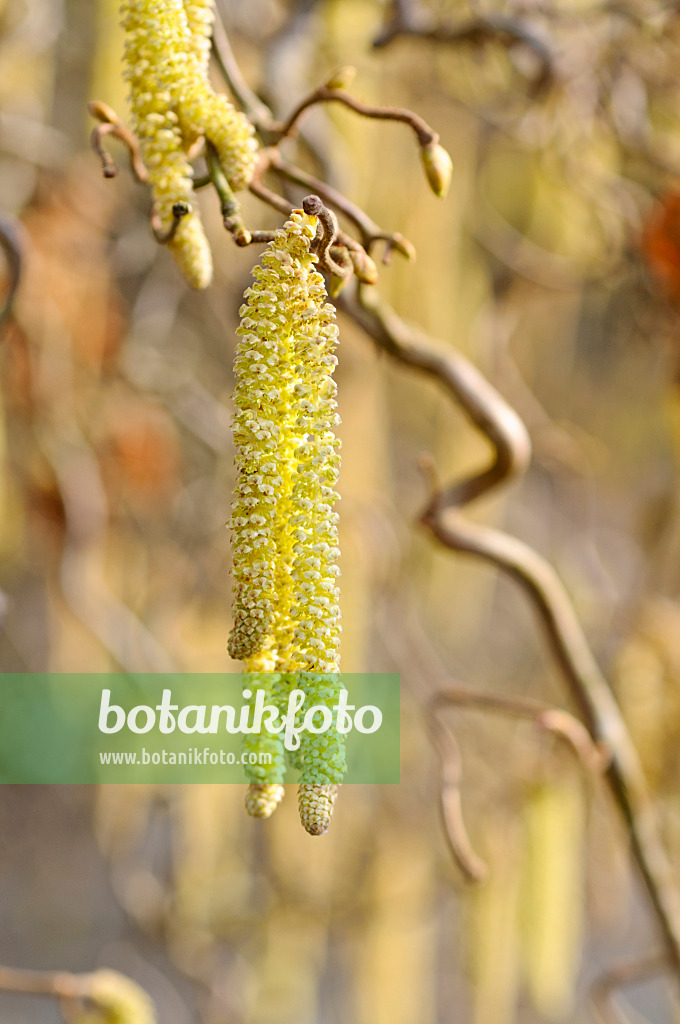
(111, 124)
(554, 720)
(370, 231)
(163, 235)
(425, 135)
(39, 983)
(590, 691)
(494, 28)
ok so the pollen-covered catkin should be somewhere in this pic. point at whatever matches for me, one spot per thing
(266, 780)
(266, 436)
(284, 526)
(156, 39)
(167, 49)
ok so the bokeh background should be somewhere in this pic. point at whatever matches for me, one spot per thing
(554, 265)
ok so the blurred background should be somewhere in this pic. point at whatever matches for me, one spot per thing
(554, 265)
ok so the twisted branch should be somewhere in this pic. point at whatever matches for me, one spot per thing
(492, 28)
(441, 516)
(327, 94)
(39, 983)
(554, 720)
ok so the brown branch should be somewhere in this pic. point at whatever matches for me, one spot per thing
(370, 231)
(338, 262)
(257, 111)
(57, 984)
(163, 235)
(470, 864)
(424, 134)
(326, 235)
(111, 124)
(492, 28)
(493, 417)
(560, 723)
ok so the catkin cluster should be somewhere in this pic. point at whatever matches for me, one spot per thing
(284, 527)
(167, 50)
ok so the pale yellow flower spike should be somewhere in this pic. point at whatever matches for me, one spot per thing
(266, 438)
(167, 49)
(200, 17)
(155, 44)
(264, 795)
(284, 528)
(204, 112)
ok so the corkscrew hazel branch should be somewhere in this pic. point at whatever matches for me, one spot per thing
(180, 209)
(327, 230)
(370, 231)
(436, 161)
(404, 20)
(325, 94)
(441, 516)
(554, 720)
(111, 124)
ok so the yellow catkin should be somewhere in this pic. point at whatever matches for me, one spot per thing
(284, 532)
(173, 107)
(265, 791)
(284, 527)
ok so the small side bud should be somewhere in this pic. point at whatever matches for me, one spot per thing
(342, 78)
(335, 285)
(115, 998)
(438, 168)
(364, 267)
